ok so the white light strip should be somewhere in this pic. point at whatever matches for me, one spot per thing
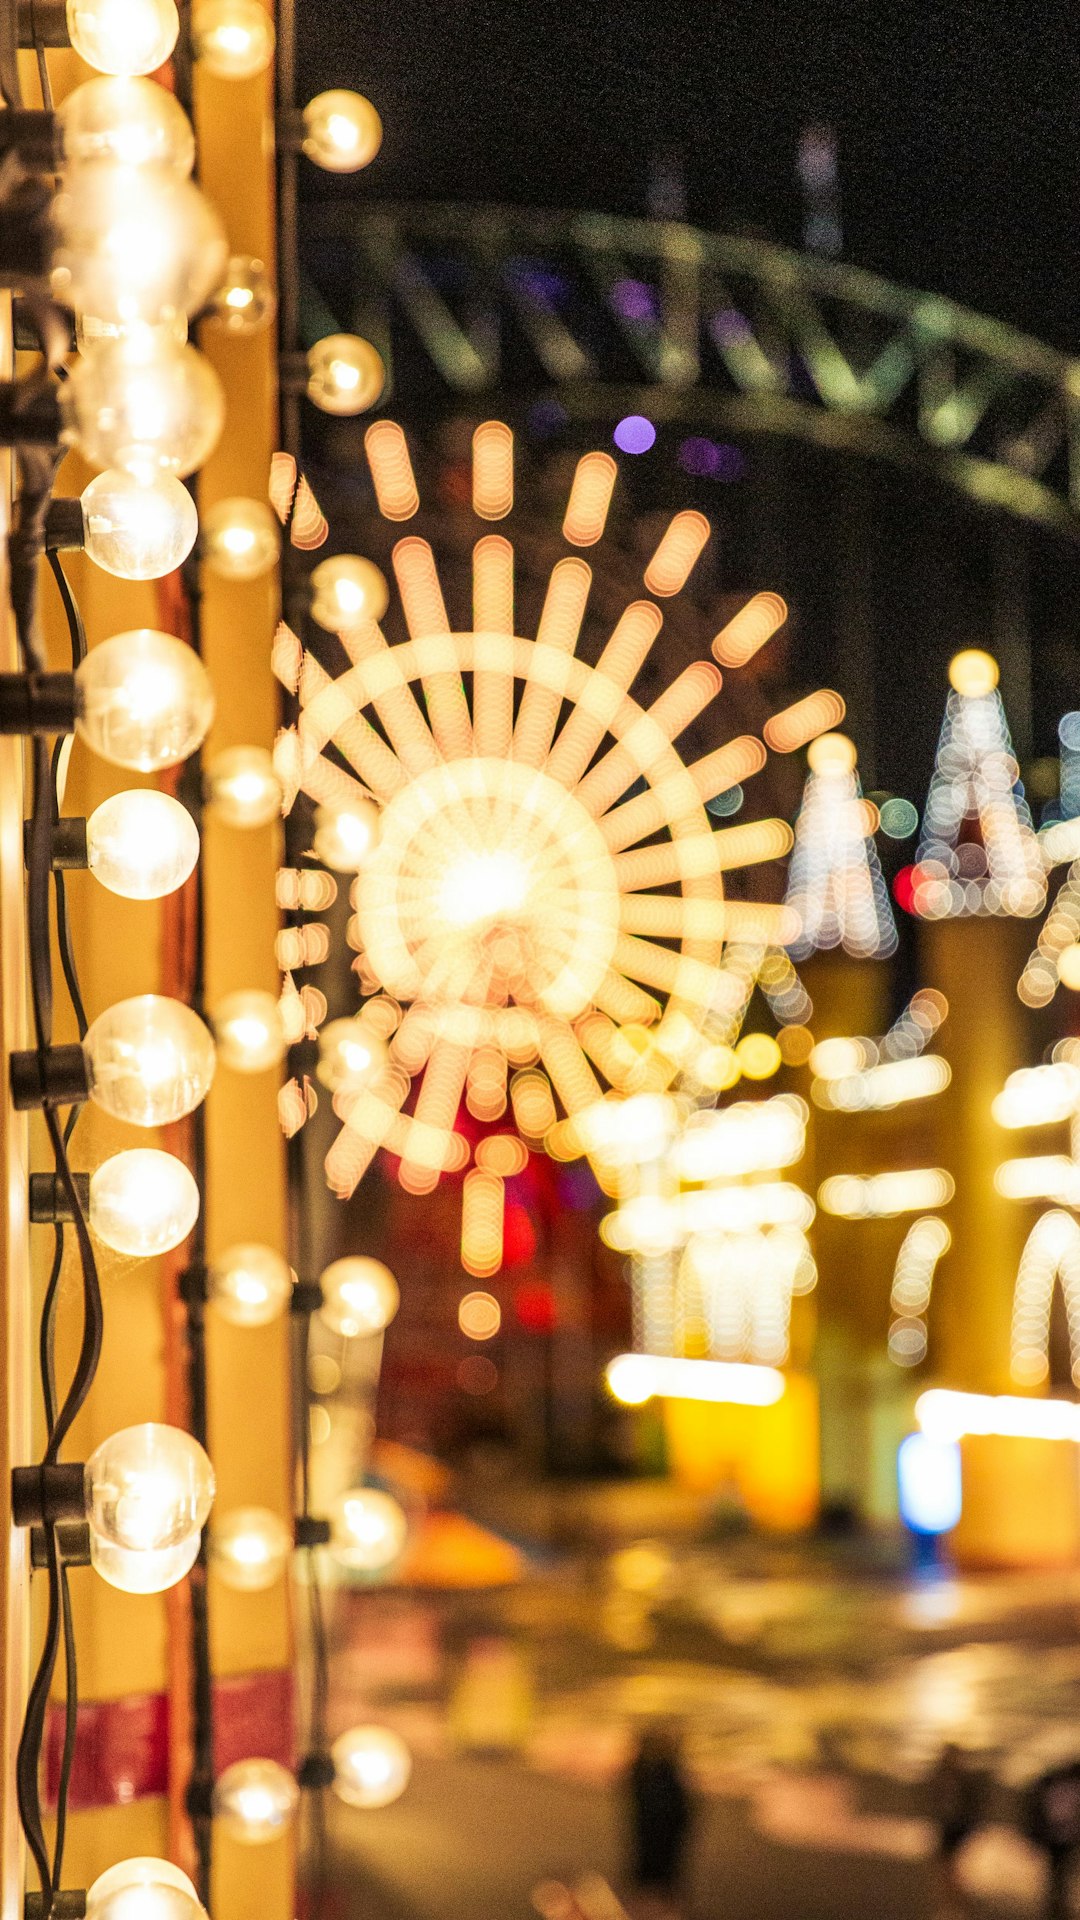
(637, 1377)
(946, 1415)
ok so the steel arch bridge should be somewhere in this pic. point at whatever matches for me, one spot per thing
(688, 326)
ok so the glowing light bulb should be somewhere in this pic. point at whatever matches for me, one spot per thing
(138, 530)
(240, 539)
(368, 1530)
(973, 672)
(249, 1548)
(250, 1285)
(242, 788)
(148, 1491)
(371, 1766)
(134, 243)
(143, 1889)
(145, 700)
(134, 122)
(249, 1031)
(234, 39)
(342, 131)
(347, 590)
(351, 1055)
(142, 844)
(245, 302)
(143, 1202)
(344, 836)
(360, 1296)
(123, 36)
(345, 374)
(147, 403)
(151, 1060)
(484, 886)
(255, 1800)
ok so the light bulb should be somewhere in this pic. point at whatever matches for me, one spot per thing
(344, 836)
(151, 1060)
(134, 243)
(250, 1032)
(242, 788)
(245, 302)
(255, 1800)
(342, 131)
(143, 1202)
(133, 122)
(144, 700)
(241, 539)
(142, 844)
(249, 1548)
(250, 1285)
(148, 1491)
(368, 1530)
(359, 1294)
(142, 1889)
(351, 1055)
(347, 590)
(345, 374)
(147, 404)
(123, 36)
(234, 39)
(138, 530)
(371, 1766)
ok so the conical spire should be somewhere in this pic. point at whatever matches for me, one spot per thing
(835, 883)
(978, 853)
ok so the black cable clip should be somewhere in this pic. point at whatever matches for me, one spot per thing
(316, 1770)
(308, 1531)
(68, 1903)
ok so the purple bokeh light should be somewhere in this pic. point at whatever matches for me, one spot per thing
(633, 300)
(635, 434)
(710, 460)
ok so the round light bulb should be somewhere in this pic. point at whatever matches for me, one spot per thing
(249, 1548)
(242, 788)
(142, 844)
(151, 1060)
(345, 374)
(347, 590)
(973, 672)
(359, 1294)
(342, 131)
(245, 302)
(144, 700)
(250, 1032)
(250, 1285)
(241, 539)
(351, 1055)
(148, 404)
(255, 1800)
(344, 836)
(138, 530)
(148, 1491)
(123, 36)
(142, 1889)
(368, 1530)
(135, 123)
(143, 1202)
(832, 755)
(134, 243)
(234, 39)
(371, 1766)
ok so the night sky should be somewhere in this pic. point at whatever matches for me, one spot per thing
(959, 125)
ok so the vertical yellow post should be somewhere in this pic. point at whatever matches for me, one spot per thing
(976, 964)
(14, 1250)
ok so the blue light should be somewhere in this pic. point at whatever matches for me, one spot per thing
(928, 1475)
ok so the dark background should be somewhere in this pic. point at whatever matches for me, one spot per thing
(959, 125)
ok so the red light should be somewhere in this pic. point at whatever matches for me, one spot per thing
(904, 888)
(534, 1306)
